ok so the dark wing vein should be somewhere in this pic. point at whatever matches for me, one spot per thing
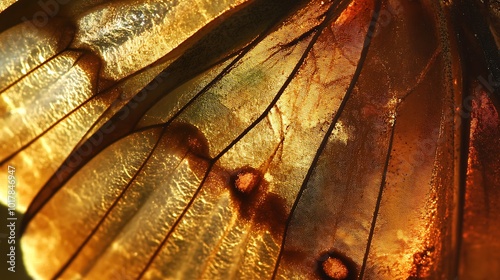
(336, 117)
(122, 126)
(377, 204)
(108, 211)
(236, 140)
(61, 119)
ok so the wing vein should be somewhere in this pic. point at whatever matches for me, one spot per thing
(336, 117)
(108, 211)
(377, 204)
(237, 139)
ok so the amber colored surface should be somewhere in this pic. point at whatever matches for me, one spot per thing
(482, 197)
(129, 35)
(247, 140)
(4, 4)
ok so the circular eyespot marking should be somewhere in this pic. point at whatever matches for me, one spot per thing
(336, 266)
(255, 203)
(246, 180)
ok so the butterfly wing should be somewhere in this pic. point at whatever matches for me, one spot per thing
(321, 142)
(480, 118)
(90, 96)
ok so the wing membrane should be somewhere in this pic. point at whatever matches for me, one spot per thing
(248, 139)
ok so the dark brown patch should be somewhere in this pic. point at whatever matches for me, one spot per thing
(249, 190)
(272, 214)
(293, 257)
(186, 139)
(336, 266)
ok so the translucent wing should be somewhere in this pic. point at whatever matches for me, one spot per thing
(249, 139)
(80, 91)
(481, 125)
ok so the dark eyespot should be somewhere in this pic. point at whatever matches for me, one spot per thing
(246, 180)
(254, 201)
(336, 266)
